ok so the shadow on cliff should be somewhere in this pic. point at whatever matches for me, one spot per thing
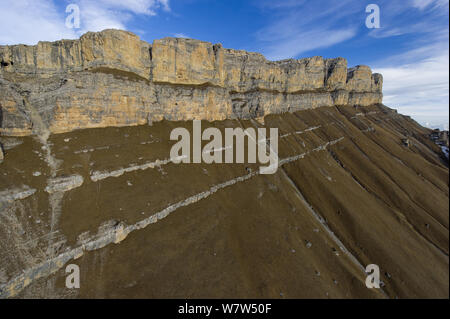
(1, 125)
(1, 116)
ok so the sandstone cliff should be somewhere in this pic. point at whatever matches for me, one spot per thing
(112, 78)
(355, 185)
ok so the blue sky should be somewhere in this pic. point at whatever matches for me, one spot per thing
(410, 49)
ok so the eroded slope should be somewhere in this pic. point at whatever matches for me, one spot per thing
(348, 193)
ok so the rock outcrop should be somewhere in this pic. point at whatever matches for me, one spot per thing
(348, 192)
(112, 78)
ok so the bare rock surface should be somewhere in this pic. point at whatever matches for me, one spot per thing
(112, 78)
(85, 180)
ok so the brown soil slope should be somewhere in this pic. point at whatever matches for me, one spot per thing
(348, 193)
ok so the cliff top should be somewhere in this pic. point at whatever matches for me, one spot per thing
(112, 78)
(114, 41)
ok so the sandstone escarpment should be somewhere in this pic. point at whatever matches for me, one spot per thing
(348, 191)
(112, 78)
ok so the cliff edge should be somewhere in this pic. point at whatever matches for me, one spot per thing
(112, 78)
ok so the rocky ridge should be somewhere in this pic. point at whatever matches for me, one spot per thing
(112, 78)
(357, 183)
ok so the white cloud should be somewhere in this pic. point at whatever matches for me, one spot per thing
(30, 21)
(416, 81)
(399, 17)
(147, 7)
(301, 26)
(422, 4)
(181, 35)
(419, 89)
(114, 14)
(306, 41)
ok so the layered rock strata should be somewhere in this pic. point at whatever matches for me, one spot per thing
(112, 78)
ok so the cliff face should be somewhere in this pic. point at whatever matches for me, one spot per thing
(112, 78)
(355, 185)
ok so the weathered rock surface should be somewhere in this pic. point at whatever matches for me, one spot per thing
(347, 193)
(111, 48)
(112, 78)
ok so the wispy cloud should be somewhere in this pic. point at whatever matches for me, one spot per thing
(418, 88)
(180, 35)
(434, 4)
(399, 17)
(104, 14)
(301, 26)
(29, 21)
(147, 7)
(416, 81)
(306, 41)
